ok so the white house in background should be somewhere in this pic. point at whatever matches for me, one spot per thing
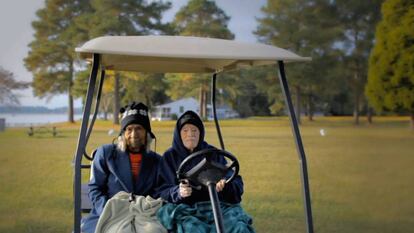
(178, 107)
(174, 109)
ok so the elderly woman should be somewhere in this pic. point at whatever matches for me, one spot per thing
(129, 166)
(189, 209)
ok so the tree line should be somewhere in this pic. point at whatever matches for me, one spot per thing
(344, 77)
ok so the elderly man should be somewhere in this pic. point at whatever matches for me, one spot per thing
(189, 209)
(129, 166)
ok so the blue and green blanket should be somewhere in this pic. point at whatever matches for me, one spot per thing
(198, 218)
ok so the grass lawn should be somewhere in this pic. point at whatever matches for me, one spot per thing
(361, 178)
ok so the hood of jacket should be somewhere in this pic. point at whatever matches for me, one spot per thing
(178, 144)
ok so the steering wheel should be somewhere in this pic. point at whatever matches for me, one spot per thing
(208, 171)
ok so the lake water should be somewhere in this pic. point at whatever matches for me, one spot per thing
(20, 120)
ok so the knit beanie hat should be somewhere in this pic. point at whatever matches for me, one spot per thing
(135, 113)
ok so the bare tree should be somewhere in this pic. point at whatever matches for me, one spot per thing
(7, 85)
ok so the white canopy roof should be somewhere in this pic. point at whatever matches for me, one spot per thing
(181, 54)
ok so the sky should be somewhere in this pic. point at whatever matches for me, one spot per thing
(16, 33)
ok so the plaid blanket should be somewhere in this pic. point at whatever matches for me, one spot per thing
(199, 218)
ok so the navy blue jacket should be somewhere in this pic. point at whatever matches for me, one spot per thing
(168, 184)
(111, 173)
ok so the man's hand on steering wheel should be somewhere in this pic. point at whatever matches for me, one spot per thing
(185, 189)
(220, 185)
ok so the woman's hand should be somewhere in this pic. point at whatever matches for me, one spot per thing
(184, 189)
(220, 185)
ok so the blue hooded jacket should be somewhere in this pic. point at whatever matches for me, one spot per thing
(167, 182)
(111, 173)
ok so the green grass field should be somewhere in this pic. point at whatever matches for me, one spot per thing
(361, 178)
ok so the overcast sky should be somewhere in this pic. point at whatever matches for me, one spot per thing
(16, 33)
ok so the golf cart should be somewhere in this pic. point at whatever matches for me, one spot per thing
(178, 54)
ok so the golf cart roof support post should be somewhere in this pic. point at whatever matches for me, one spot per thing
(299, 148)
(82, 144)
(95, 113)
(213, 103)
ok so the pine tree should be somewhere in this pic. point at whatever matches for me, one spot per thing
(358, 20)
(390, 84)
(120, 18)
(309, 29)
(202, 18)
(52, 57)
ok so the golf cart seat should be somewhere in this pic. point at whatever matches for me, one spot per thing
(86, 204)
